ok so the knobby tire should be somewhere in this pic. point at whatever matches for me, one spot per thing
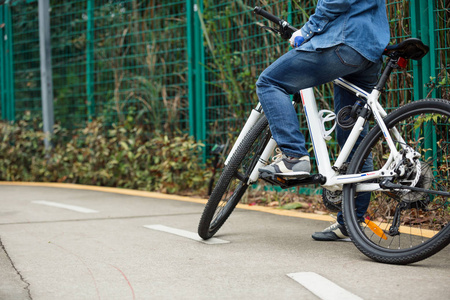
(225, 196)
(423, 217)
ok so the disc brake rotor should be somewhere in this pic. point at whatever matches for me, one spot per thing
(412, 172)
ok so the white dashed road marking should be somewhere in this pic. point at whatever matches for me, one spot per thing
(186, 234)
(322, 287)
(67, 206)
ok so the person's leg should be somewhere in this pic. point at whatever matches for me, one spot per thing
(292, 72)
(365, 80)
(342, 98)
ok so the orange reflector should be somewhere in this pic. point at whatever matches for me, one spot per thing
(281, 180)
(377, 230)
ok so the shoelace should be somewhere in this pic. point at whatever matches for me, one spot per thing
(277, 156)
(332, 227)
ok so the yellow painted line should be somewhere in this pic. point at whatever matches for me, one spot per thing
(410, 230)
(138, 193)
(288, 213)
(106, 190)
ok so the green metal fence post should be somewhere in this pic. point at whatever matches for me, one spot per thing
(9, 65)
(422, 23)
(289, 18)
(417, 65)
(200, 105)
(196, 71)
(432, 60)
(89, 60)
(2, 64)
(191, 65)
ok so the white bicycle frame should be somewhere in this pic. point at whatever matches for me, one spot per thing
(334, 180)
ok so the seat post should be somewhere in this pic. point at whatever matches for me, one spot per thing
(391, 64)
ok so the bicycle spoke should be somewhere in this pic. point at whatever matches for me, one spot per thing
(232, 183)
(412, 208)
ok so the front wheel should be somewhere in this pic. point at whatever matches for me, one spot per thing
(402, 226)
(232, 183)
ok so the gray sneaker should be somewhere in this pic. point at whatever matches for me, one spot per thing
(335, 232)
(289, 166)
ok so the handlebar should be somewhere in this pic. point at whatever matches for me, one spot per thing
(259, 11)
(285, 29)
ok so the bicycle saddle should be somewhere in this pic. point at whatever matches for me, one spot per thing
(411, 48)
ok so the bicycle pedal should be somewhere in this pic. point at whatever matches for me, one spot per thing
(272, 176)
(289, 181)
(291, 177)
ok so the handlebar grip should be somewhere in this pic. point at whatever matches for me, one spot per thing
(258, 10)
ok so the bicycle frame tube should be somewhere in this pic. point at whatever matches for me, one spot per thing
(263, 160)
(319, 144)
(334, 180)
(252, 119)
(373, 100)
(314, 125)
(351, 88)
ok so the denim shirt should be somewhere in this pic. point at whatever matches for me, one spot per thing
(360, 24)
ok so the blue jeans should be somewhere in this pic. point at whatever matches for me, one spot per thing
(298, 70)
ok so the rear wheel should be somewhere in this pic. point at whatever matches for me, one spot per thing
(403, 226)
(232, 183)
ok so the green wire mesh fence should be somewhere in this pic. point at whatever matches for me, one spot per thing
(181, 66)
(110, 59)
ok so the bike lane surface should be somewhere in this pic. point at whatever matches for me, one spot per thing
(77, 242)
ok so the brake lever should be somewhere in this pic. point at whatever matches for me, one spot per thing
(285, 32)
(271, 29)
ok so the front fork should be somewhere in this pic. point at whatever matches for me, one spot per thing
(252, 119)
(268, 150)
(262, 160)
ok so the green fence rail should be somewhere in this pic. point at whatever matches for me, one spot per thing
(181, 66)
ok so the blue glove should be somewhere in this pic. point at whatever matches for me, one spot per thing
(296, 39)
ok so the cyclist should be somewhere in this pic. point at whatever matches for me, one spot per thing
(343, 38)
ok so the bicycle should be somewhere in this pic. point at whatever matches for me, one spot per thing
(407, 219)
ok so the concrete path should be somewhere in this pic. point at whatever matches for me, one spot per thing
(75, 242)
